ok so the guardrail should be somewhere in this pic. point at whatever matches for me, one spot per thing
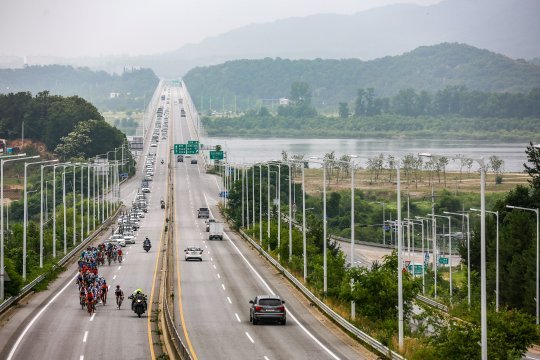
(375, 344)
(178, 350)
(432, 302)
(27, 288)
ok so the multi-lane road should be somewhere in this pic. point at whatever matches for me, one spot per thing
(211, 303)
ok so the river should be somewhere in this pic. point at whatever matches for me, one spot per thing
(262, 149)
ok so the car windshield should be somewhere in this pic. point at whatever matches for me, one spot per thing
(194, 249)
(270, 302)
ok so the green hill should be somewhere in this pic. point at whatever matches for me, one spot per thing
(133, 88)
(429, 68)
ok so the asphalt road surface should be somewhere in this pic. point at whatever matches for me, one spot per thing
(214, 294)
(53, 325)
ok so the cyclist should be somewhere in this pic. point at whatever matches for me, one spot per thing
(119, 296)
(104, 290)
(120, 256)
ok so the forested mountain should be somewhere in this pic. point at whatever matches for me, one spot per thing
(428, 68)
(132, 87)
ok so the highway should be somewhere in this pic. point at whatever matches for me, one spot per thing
(214, 295)
(52, 324)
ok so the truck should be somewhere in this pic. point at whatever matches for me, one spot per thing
(216, 231)
(203, 213)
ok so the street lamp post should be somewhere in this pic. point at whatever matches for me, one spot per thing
(41, 217)
(496, 213)
(400, 259)
(483, 295)
(449, 218)
(466, 215)
(537, 212)
(383, 219)
(5, 159)
(25, 215)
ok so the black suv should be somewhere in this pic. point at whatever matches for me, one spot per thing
(267, 307)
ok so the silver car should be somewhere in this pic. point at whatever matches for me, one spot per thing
(193, 252)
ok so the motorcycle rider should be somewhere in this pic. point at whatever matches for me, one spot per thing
(162, 161)
(147, 242)
(137, 294)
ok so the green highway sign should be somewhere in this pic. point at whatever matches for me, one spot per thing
(443, 260)
(180, 149)
(192, 147)
(216, 155)
(417, 269)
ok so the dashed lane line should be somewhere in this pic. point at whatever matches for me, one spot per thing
(237, 317)
(85, 336)
(250, 338)
(219, 277)
(34, 319)
(223, 286)
(229, 300)
(92, 317)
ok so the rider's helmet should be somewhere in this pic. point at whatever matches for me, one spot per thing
(118, 286)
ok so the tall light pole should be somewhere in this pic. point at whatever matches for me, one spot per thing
(400, 258)
(449, 218)
(466, 215)
(483, 295)
(496, 213)
(41, 217)
(260, 203)
(537, 212)
(25, 211)
(3, 160)
(383, 219)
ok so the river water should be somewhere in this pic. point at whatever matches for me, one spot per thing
(261, 149)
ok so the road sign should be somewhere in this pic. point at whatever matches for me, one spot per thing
(417, 269)
(180, 149)
(216, 155)
(192, 150)
(193, 142)
(443, 260)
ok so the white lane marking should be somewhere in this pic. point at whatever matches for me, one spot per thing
(108, 287)
(266, 358)
(237, 317)
(219, 277)
(119, 267)
(209, 251)
(92, 317)
(288, 311)
(82, 357)
(229, 300)
(85, 336)
(19, 339)
(204, 242)
(223, 286)
(214, 266)
(249, 337)
(211, 259)
(114, 277)
(127, 253)
(206, 246)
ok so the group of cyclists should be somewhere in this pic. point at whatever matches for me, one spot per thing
(93, 289)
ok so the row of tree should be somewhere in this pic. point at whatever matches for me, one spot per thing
(452, 100)
(69, 125)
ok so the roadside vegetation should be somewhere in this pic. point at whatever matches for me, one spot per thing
(430, 334)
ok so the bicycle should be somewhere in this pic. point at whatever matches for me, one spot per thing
(119, 299)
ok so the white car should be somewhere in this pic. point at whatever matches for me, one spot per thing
(145, 190)
(193, 252)
(153, 145)
(129, 237)
(118, 238)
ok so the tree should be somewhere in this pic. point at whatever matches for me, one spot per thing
(496, 164)
(533, 157)
(344, 110)
(300, 93)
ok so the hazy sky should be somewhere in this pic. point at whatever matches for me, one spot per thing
(106, 27)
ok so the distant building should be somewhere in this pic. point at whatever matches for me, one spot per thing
(283, 101)
(114, 95)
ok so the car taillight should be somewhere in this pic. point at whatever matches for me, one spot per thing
(281, 308)
(258, 308)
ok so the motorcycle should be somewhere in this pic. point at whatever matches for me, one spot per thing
(139, 305)
(147, 247)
